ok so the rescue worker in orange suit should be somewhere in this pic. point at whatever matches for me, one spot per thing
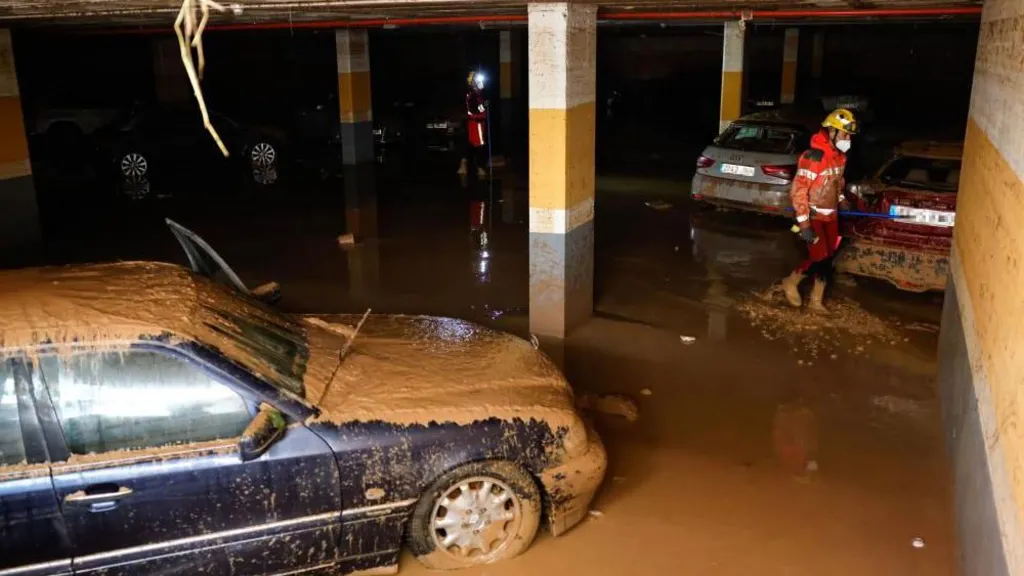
(817, 194)
(476, 125)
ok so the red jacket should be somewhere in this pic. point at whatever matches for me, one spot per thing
(476, 120)
(819, 181)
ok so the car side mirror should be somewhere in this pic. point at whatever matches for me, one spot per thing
(261, 433)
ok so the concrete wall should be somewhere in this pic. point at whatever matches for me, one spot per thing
(982, 341)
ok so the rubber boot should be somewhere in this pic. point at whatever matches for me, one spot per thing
(817, 293)
(791, 287)
(462, 168)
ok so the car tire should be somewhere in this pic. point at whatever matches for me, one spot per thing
(133, 164)
(497, 521)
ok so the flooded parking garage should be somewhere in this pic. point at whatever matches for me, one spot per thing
(742, 435)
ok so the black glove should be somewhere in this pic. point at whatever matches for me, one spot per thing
(808, 235)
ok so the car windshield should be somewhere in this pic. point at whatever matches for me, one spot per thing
(940, 175)
(762, 138)
(262, 340)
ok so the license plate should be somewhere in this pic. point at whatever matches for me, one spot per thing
(922, 216)
(738, 170)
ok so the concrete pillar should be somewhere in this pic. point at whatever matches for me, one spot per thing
(353, 48)
(732, 74)
(789, 60)
(508, 77)
(817, 61)
(19, 213)
(562, 58)
(170, 80)
(981, 344)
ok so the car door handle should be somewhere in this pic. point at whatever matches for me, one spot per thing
(81, 498)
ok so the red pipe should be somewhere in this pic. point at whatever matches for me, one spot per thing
(757, 14)
(371, 23)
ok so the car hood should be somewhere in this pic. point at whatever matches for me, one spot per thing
(420, 369)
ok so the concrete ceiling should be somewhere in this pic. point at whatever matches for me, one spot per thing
(245, 12)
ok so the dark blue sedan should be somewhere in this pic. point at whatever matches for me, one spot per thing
(160, 420)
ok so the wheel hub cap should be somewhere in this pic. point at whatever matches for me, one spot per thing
(263, 154)
(134, 165)
(475, 518)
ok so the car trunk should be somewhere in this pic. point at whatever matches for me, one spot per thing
(754, 153)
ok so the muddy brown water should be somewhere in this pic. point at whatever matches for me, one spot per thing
(715, 476)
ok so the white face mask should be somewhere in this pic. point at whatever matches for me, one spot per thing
(843, 146)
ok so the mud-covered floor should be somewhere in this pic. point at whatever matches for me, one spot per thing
(707, 480)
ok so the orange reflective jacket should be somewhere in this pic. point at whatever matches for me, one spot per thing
(818, 186)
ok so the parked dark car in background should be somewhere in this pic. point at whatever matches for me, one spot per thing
(167, 422)
(160, 142)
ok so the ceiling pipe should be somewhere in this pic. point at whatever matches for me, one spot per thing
(652, 17)
(803, 13)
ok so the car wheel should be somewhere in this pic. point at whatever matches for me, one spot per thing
(133, 165)
(478, 513)
(262, 154)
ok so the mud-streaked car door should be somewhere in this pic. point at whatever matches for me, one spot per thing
(156, 483)
(33, 538)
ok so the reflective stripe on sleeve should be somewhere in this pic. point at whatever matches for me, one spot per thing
(807, 174)
(801, 218)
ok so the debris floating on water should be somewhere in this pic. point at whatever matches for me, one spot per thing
(346, 240)
(646, 392)
(595, 513)
(917, 542)
(658, 205)
(534, 341)
(610, 404)
(687, 340)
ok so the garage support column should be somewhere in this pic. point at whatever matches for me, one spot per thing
(562, 86)
(789, 61)
(732, 74)
(981, 363)
(170, 81)
(353, 49)
(19, 215)
(817, 62)
(509, 48)
(357, 155)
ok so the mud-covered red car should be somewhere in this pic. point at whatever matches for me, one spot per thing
(915, 195)
(161, 420)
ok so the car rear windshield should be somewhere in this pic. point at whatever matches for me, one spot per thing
(763, 138)
(935, 174)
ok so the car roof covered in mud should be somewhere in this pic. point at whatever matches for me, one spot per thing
(931, 149)
(104, 304)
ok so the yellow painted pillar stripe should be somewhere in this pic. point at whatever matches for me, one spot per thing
(354, 96)
(14, 161)
(732, 74)
(353, 50)
(789, 61)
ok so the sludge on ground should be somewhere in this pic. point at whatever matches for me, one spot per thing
(755, 452)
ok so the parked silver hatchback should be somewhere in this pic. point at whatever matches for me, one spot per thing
(751, 165)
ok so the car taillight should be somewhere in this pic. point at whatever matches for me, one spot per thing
(784, 172)
(705, 162)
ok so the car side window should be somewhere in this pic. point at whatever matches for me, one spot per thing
(138, 399)
(12, 445)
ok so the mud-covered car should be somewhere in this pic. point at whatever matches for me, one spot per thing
(157, 419)
(915, 193)
(750, 166)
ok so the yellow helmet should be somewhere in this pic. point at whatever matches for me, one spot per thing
(841, 119)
